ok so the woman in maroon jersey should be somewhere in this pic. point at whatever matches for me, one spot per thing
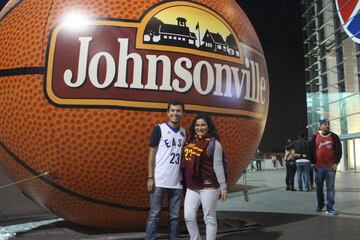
(204, 175)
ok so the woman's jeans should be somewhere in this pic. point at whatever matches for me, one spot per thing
(303, 173)
(156, 199)
(208, 199)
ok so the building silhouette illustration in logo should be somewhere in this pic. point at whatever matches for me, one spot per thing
(160, 33)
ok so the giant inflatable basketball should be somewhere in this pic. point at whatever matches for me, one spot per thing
(82, 83)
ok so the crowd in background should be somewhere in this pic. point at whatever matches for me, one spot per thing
(312, 160)
(295, 164)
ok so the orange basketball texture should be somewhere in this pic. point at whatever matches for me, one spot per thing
(97, 157)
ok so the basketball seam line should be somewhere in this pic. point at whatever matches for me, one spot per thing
(21, 71)
(70, 192)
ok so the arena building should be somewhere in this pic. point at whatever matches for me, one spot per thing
(332, 65)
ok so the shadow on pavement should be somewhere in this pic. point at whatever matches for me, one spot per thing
(231, 225)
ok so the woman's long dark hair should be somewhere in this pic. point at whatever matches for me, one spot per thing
(210, 123)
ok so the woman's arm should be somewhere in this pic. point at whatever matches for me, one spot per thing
(218, 166)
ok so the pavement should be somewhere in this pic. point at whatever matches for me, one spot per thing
(15, 207)
(271, 213)
(291, 215)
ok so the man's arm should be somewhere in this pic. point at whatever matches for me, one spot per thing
(338, 150)
(153, 145)
(151, 166)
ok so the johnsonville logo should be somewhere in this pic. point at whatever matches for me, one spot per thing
(177, 50)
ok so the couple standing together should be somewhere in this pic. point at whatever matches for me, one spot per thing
(199, 157)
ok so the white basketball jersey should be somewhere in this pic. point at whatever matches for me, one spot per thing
(168, 157)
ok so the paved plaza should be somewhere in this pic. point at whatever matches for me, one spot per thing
(271, 213)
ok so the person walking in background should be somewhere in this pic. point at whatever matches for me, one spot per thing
(204, 173)
(303, 164)
(166, 143)
(289, 158)
(325, 153)
(258, 157)
(273, 159)
(253, 164)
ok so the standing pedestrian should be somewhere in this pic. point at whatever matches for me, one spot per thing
(204, 176)
(166, 143)
(258, 157)
(289, 158)
(273, 159)
(303, 164)
(326, 152)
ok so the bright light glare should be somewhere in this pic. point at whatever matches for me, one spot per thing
(75, 21)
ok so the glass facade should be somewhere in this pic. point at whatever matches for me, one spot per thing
(332, 71)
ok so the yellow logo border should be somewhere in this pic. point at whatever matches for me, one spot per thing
(140, 45)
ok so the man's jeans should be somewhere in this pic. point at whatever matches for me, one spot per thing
(156, 199)
(328, 175)
(303, 173)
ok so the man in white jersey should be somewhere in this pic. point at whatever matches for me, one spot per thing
(166, 142)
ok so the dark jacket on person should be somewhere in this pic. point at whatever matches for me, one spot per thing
(337, 147)
(301, 147)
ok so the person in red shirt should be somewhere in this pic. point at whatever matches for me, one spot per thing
(325, 153)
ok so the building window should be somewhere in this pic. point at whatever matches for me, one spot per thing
(332, 63)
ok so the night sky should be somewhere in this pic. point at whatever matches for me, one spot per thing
(278, 25)
(2, 3)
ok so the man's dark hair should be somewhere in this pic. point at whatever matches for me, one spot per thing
(301, 135)
(176, 103)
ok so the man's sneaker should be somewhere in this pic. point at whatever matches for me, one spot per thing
(319, 208)
(331, 211)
